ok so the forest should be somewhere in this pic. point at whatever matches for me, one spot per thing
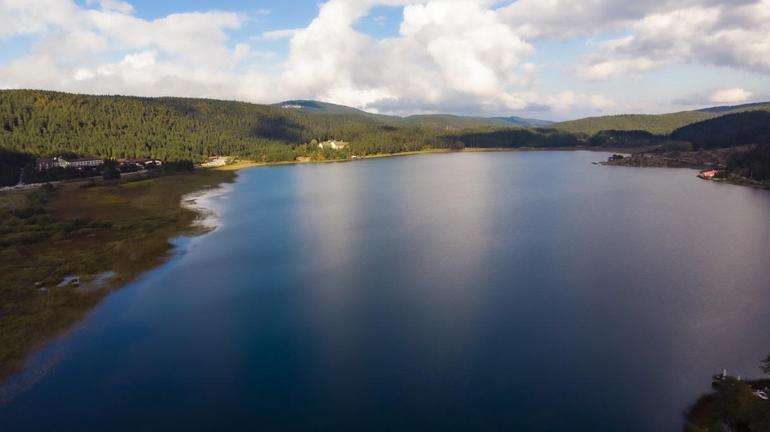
(658, 124)
(732, 130)
(44, 124)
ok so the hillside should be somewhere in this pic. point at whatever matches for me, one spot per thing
(737, 144)
(44, 123)
(525, 122)
(732, 130)
(661, 124)
(437, 121)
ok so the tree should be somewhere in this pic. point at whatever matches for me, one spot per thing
(111, 171)
(766, 365)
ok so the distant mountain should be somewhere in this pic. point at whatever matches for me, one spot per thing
(437, 121)
(526, 122)
(446, 121)
(660, 124)
(311, 106)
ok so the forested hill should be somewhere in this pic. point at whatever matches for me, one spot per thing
(732, 130)
(657, 124)
(43, 123)
(47, 123)
(661, 124)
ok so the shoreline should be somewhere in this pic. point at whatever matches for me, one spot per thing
(123, 229)
(696, 160)
(245, 163)
(201, 202)
(147, 214)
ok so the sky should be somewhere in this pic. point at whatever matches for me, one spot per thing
(549, 59)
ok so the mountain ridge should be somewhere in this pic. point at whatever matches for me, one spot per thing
(439, 120)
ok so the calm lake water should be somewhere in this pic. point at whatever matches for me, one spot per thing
(495, 291)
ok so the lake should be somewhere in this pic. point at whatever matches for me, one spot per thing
(528, 291)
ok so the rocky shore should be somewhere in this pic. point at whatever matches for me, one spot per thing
(701, 159)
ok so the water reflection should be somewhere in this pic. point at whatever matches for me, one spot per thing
(516, 291)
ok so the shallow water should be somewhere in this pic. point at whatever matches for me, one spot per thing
(495, 291)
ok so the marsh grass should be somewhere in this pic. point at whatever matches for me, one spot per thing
(82, 229)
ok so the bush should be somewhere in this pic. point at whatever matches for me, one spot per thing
(677, 146)
(111, 171)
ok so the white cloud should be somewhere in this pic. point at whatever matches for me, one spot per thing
(449, 55)
(280, 34)
(446, 52)
(734, 34)
(113, 5)
(731, 96)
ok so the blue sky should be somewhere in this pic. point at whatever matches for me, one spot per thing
(555, 60)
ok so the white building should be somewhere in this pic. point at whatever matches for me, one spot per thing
(333, 144)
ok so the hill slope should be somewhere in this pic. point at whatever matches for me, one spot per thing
(661, 124)
(47, 123)
(732, 130)
(658, 124)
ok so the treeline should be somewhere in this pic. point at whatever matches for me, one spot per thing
(11, 164)
(512, 138)
(42, 123)
(732, 130)
(754, 164)
(658, 124)
(734, 406)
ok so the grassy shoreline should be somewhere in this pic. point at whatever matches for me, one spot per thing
(83, 229)
(244, 164)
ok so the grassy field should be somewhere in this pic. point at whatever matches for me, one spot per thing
(82, 229)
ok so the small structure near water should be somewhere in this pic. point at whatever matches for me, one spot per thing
(709, 174)
(43, 164)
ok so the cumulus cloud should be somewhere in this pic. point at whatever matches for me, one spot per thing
(731, 96)
(446, 51)
(720, 96)
(448, 55)
(183, 54)
(733, 34)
